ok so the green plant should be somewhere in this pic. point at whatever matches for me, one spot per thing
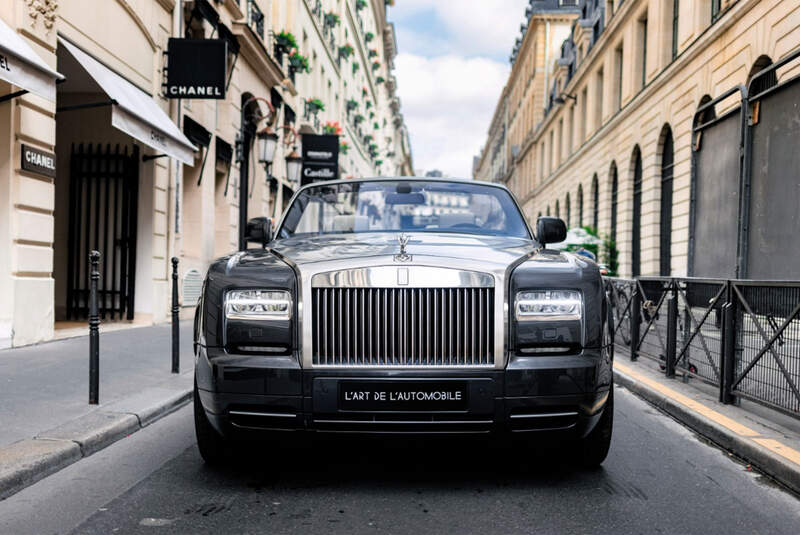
(345, 51)
(332, 19)
(376, 65)
(364, 91)
(315, 105)
(378, 162)
(368, 138)
(371, 114)
(286, 40)
(298, 62)
(369, 104)
(351, 104)
(344, 148)
(358, 118)
(355, 66)
(388, 2)
(373, 53)
(361, 4)
(380, 80)
(369, 36)
(376, 126)
(332, 128)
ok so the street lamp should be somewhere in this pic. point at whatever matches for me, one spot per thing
(267, 143)
(561, 99)
(294, 165)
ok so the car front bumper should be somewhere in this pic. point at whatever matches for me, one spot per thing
(561, 395)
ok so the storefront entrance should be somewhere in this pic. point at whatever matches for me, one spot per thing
(103, 201)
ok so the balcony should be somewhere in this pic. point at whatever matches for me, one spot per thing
(255, 18)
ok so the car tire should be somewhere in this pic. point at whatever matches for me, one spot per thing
(593, 449)
(211, 444)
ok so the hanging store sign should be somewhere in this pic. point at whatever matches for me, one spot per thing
(38, 161)
(320, 158)
(196, 68)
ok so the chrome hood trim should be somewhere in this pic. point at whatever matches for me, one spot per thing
(318, 259)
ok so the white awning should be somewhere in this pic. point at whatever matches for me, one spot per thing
(134, 111)
(21, 66)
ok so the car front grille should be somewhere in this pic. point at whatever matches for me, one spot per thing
(403, 327)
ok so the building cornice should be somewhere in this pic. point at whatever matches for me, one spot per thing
(255, 53)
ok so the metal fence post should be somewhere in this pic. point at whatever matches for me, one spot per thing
(634, 316)
(176, 364)
(728, 360)
(672, 331)
(94, 330)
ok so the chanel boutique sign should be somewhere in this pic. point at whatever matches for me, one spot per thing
(38, 161)
(196, 68)
(320, 158)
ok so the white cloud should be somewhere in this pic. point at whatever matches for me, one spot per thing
(451, 69)
(471, 27)
(448, 102)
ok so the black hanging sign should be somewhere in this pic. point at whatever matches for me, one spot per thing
(38, 161)
(197, 68)
(320, 158)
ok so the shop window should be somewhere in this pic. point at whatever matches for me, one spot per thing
(614, 200)
(636, 223)
(595, 202)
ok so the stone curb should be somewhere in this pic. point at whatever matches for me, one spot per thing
(25, 462)
(780, 469)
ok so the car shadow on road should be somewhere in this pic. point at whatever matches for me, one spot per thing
(402, 462)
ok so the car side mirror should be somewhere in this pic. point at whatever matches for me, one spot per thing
(259, 229)
(550, 230)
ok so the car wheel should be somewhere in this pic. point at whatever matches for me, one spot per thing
(593, 449)
(211, 444)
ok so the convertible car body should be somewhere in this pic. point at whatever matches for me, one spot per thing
(404, 305)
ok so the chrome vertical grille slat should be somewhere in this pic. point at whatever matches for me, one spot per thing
(403, 327)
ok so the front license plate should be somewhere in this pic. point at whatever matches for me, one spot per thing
(403, 396)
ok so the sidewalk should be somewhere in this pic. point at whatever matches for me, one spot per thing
(46, 421)
(764, 438)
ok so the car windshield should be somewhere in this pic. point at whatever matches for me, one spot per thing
(404, 205)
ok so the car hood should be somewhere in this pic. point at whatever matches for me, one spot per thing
(490, 249)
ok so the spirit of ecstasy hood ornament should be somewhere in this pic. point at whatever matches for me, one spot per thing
(402, 239)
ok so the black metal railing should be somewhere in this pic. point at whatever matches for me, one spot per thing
(255, 18)
(741, 336)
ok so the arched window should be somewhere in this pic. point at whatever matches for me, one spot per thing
(708, 114)
(558, 210)
(595, 203)
(614, 200)
(636, 224)
(569, 211)
(759, 84)
(580, 205)
(667, 164)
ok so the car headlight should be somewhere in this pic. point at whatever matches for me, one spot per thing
(548, 305)
(258, 305)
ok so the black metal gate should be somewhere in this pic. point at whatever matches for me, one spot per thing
(102, 216)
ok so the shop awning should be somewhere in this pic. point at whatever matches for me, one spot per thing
(133, 111)
(20, 65)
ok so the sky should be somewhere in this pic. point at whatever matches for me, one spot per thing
(451, 65)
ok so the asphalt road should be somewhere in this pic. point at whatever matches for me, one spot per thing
(659, 478)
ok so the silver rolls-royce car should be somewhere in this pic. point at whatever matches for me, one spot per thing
(404, 305)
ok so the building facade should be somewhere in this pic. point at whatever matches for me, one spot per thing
(105, 160)
(620, 141)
